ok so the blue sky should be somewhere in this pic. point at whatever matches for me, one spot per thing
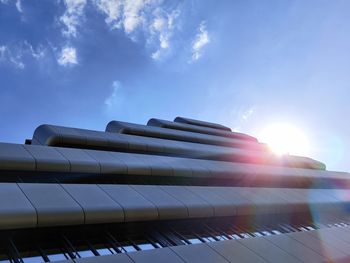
(245, 64)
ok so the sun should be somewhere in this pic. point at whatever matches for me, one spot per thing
(284, 138)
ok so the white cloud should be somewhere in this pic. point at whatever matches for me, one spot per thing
(124, 13)
(2, 51)
(6, 55)
(241, 117)
(72, 16)
(18, 4)
(37, 53)
(141, 16)
(145, 19)
(114, 99)
(112, 10)
(132, 16)
(162, 28)
(200, 41)
(67, 57)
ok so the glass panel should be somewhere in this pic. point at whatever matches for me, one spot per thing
(158, 245)
(245, 235)
(222, 237)
(209, 239)
(86, 253)
(57, 257)
(34, 259)
(276, 232)
(235, 236)
(4, 258)
(194, 241)
(145, 246)
(129, 248)
(104, 251)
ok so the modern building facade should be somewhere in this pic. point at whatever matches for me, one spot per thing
(169, 191)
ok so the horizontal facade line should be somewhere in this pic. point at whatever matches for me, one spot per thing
(28, 205)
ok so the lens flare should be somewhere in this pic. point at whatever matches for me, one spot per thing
(284, 138)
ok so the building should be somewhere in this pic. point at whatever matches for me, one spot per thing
(181, 191)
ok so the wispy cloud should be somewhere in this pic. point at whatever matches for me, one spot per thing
(17, 3)
(7, 56)
(141, 16)
(36, 53)
(72, 16)
(19, 6)
(241, 117)
(112, 10)
(114, 100)
(16, 55)
(125, 14)
(200, 41)
(162, 28)
(68, 57)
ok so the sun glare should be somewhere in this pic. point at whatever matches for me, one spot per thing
(285, 139)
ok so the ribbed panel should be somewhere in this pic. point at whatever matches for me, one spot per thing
(198, 129)
(36, 205)
(14, 157)
(79, 138)
(158, 132)
(202, 123)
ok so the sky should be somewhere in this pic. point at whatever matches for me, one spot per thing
(247, 64)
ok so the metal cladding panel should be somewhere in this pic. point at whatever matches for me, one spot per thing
(236, 252)
(55, 159)
(179, 167)
(80, 161)
(97, 205)
(222, 206)
(159, 165)
(15, 157)
(119, 258)
(295, 248)
(262, 200)
(156, 256)
(268, 250)
(342, 233)
(177, 135)
(196, 167)
(100, 140)
(71, 204)
(331, 238)
(201, 123)
(276, 248)
(135, 163)
(198, 129)
(53, 204)
(198, 253)
(135, 206)
(48, 158)
(116, 140)
(196, 206)
(94, 137)
(328, 251)
(15, 209)
(107, 162)
(137, 143)
(168, 207)
(46, 135)
(65, 135)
